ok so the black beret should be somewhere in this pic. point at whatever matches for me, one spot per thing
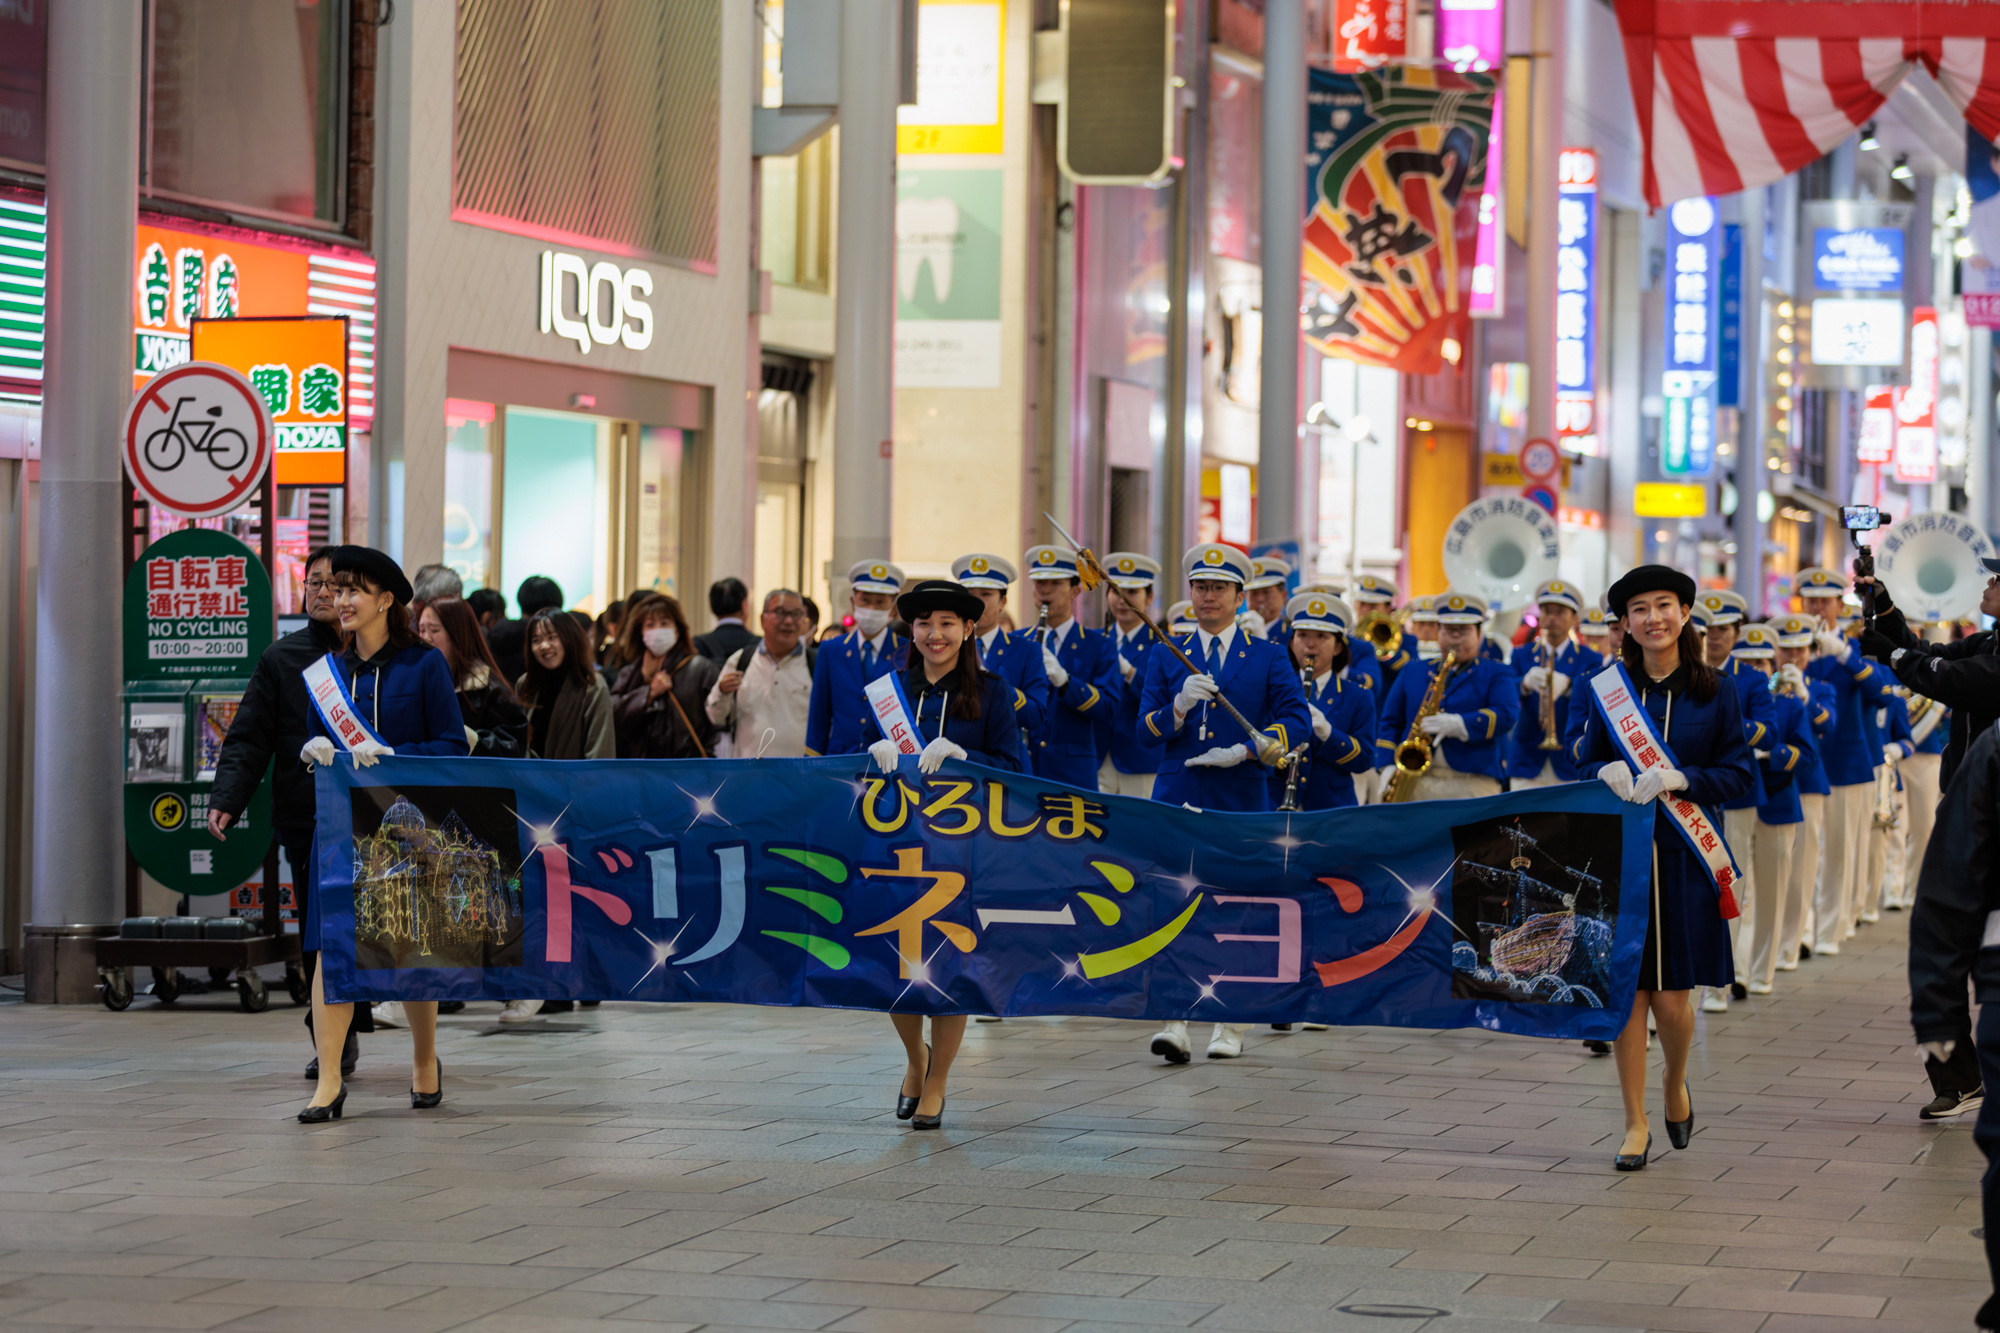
(376, 567)
(938, 595)
(1646, 578)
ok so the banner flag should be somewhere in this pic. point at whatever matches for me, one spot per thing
(822, 883)
(1395, 163)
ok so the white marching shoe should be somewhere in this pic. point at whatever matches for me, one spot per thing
(520, 1011)
(1171, 1044)
(389, 1014)
(1226, 1042)
(1714, 1000)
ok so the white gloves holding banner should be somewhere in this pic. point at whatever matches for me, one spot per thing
(1321, 727)
(369, 753)
(1445, 726)
(885, 754)
(1655, 783)
(1223, 756)
(1194, 690)
(1058, 674)
(317, 752)
(936, 753)
(1617, 775)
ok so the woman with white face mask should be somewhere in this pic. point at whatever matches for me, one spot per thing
(659, 694)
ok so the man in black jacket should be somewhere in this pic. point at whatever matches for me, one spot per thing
(1964, 676)
(729, 603)
(1955, 934)
(272, 724)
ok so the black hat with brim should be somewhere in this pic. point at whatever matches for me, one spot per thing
(1650, 578)
(1992, 566)
(377, 568)
(938, 595)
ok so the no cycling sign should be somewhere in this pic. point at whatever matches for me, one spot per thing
(197, 440)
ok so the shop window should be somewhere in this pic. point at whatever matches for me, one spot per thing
(248, 104)
(797, 216)
(468, 491)
(661, 450)
(555, 504)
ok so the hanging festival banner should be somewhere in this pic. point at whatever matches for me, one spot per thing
(820, 883)
(1395, 163)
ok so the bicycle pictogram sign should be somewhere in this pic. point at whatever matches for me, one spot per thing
(197, 440)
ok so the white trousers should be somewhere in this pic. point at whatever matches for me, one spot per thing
(1546, 778)
(1806, 857)
(1113, 783)
(1884, 879)
(1442, 782)
(1739, 830)
(1772, 890)
(1920, 793)
(1848, 811)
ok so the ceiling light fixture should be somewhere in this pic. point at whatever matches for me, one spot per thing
(1869, 143)
(1901, 171)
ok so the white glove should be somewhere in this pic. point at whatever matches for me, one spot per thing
(1561, 684)
(1892, 754)
(369, 753)
(1535, 681)
(885, 755)
(1251, 623)
(471, 739)
(1761, 754)
(1832, 643)
(1223, 756)
(317, 752)
(1125, 665)
(1321, 727)
(1617, 775)
(1939, 1051)
(1790, 674)
(1058, 675)
(1445, 725)
(1195, 689)
(1655, 783)
(936, 753)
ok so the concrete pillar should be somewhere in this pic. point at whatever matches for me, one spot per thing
(865, 298)
(1751, 474)
(93, 175)
(1545, 143)
(1282, 197)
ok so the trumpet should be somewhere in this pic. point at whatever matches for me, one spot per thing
(1413, 756)
(1550, 741)
(1382, 629)
(1784, 684)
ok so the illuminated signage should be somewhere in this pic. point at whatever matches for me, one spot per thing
(1877, 441)
(1576, 301)
(1489, 255)
(1861, 259)
(1368, 34)
(1471, 35)
(608, 303)
(299, 368)
(1916, 406)
(1694, 240)
(1857, 332)
(1665, 499)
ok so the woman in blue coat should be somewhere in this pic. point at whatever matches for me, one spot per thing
(401, 692)
(1341, 704)
(957, 712)
(1687, 939)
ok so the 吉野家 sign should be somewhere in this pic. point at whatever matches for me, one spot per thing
(197, 440)
(1694, 251)
(609, 306)
(299, 368)
(1666, 499)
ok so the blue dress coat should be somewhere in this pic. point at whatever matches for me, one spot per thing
(1017, 663)
(1327, 780)
(1484, 692)
(1258, 678)
(991, 739)
(1525, 754)
(1065, 748)
(1850, 753)
(838, 708)
(1118, 732)
(408, 697)
(1687, 940)
(1760, 714)
(1793, 761)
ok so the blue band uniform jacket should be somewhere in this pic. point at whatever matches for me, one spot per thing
(991, 739)
(1484, 692)
(1118, 732)
(1525, 753)
(1019, 664)
(1327, 781)
(1257, 676)
(838, 709)
(1760, 715)
(1065, 749)
(1848, 754)
(1793, 760)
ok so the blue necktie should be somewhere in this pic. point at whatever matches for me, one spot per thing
(867, 658)
(1214, 657)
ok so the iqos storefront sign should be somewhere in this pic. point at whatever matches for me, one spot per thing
(595, 303)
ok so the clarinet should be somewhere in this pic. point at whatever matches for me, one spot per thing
(1297, 758)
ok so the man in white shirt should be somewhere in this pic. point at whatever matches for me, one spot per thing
(767, 687)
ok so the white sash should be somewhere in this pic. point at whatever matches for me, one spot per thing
(1631, 730)
(892, 712)
(336, 706)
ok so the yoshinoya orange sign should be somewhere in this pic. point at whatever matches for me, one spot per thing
(299, 368)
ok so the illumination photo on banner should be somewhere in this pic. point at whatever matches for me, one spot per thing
(821, 883)
(1394, 171)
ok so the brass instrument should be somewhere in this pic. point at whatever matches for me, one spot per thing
(1382, 629)
(1550, 741)
(1413, 756)
(1782, 684)
(1294, 761)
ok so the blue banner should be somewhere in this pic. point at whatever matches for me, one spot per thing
(821, 883)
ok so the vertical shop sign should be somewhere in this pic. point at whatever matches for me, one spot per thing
(1368, 34)
(299, 368)
(1687, 443)
(1729, 340)
(1471, 34)
(1576, 301)
(948, 279)
(1489, 258)
(1877, 441)
(961, 77)
(1916, 406)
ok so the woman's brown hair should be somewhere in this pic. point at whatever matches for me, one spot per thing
(537, 681)
(468, 642)
(1702, 680)
(402, 630)
(632, 634)
(966, 699)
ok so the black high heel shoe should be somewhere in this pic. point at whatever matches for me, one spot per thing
(929, 1121)
(907, 1106)
(1680, 1131)
(1625, 1161)
(424, 1101)
(319, 1115)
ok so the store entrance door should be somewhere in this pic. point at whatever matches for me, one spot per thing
(555, 500)
(1440, 485)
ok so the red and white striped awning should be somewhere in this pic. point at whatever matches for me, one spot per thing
(1733, 94)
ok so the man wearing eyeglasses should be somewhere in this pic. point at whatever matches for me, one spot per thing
(272, 723)
(767, 686)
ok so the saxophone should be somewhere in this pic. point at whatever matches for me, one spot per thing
(1413, 756)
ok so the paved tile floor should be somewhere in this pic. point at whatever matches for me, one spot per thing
(722, 1168)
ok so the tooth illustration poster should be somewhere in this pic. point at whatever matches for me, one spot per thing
(947, 278)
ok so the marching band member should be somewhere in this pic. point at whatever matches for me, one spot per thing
(1555, 661)
(1725, 611)
(1179, 620)
(1795, 635)
(1082, 671)
(1376, 596)
(1209, 762)
(1422, 623)
(1129, 767)
(838, 710)
(1342, 710)
(1929, 726)
(1595, 631)
(1475, 714)
(1891, 820)
(1847, 754)
(1785, 752)
(1662, 686)
(1264, 597)
(1008, 656)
